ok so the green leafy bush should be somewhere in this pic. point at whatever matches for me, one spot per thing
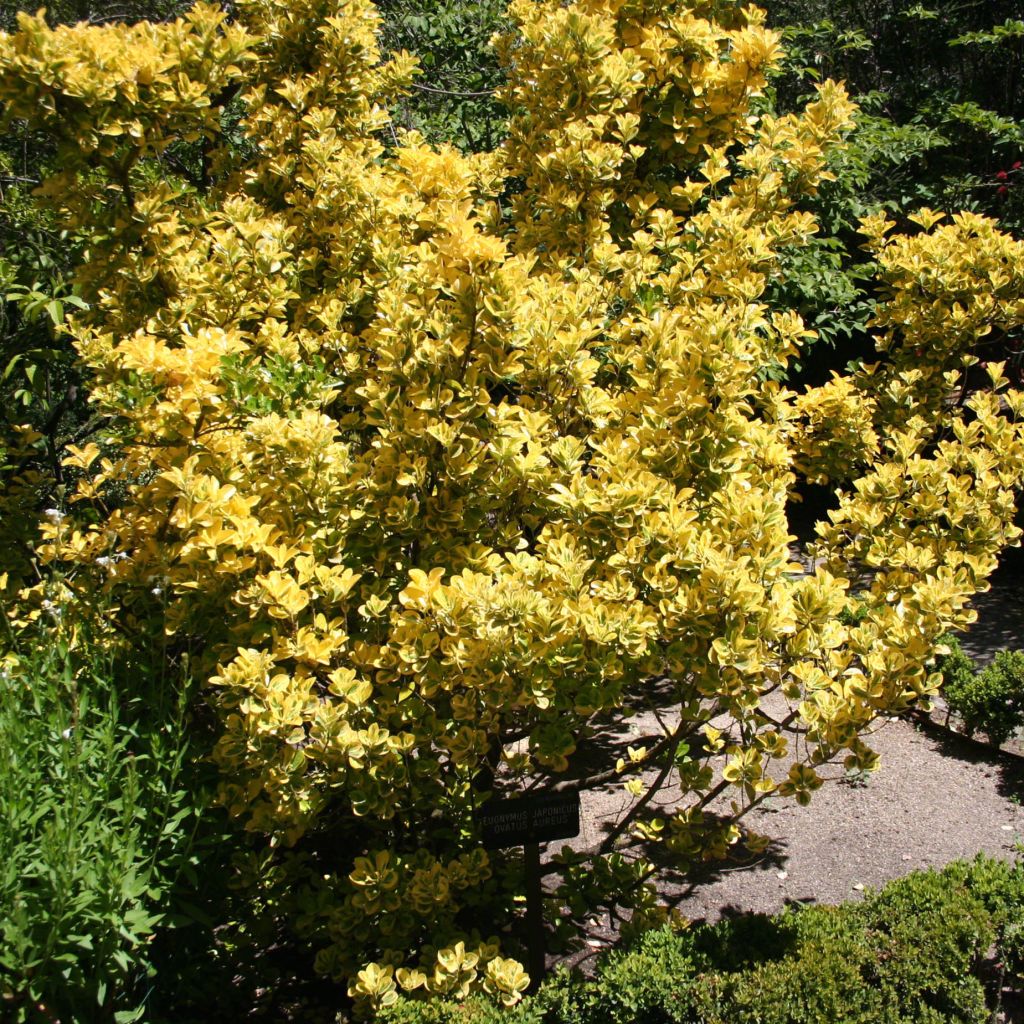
(652, 982)
(453, 99)
(1000, 888)
(96, 827)
(990, 701)
(475, 1010)
(945, 72)
(957, 667)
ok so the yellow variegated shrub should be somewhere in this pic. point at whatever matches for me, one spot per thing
(432, 463)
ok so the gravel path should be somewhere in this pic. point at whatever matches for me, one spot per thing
(936, 798)
(1000, 611)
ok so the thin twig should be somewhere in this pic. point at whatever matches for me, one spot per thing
(666, 744)
(452, 92)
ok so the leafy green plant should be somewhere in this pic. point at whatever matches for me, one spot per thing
(947, 71)
(1000, 888)
(475, 1010)
(653, 981)
(914, 952)
(96, 828)
(990, 701)
(453, 98)
(957, 669)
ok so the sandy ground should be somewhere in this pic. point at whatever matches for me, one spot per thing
(937, 797)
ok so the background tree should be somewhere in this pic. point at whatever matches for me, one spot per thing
(453, 98)
(941, 123)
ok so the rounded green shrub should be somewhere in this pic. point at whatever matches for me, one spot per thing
(990, 701)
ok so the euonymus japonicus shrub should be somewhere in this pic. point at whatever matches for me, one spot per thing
(434, 462)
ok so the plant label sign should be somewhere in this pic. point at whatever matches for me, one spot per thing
(530, 819)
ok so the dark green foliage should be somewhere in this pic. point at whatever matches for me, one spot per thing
(822, 980)
(742, 942)
(653, 982)
(882, 165)
(941, 124)
(916, 53)
(39, 384)
(474, 1011)
(929, 934)
(1000, 889)
(947, 72)
(906, 954)
(957, 667)
(93, 12)
(453, 97)
(989, 701)
(913, 953)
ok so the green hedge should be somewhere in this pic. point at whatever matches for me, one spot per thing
(917, 952)
(989, 701)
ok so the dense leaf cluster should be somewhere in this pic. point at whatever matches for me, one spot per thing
(97, 822)
(989, 700)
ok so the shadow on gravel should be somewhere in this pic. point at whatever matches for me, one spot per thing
(1000, 611)
(677, 884)
(1007, 767)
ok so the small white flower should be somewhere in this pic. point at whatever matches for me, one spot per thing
(67, 733)
(104, 560)
(54, 515)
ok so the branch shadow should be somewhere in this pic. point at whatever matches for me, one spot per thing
(972, 750)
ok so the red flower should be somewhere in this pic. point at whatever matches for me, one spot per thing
(1003, 190)
(1016, 166)
(1001, 175)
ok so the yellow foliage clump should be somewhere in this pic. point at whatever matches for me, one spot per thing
(430, 483)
